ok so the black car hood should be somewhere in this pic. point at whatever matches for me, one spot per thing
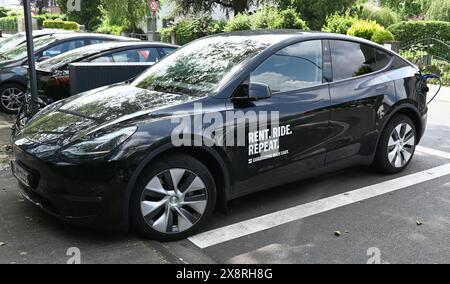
(10, 63)
(66, 121)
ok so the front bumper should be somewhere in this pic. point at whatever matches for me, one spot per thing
(90, 194)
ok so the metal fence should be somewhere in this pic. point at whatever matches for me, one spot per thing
(432, 55)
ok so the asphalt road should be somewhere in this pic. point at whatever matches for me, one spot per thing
(407, 224)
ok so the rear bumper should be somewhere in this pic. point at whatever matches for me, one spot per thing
(92, 195)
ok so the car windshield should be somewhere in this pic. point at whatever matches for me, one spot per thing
(11, 42)
(75, 55)
(21, 51)
(199, 68)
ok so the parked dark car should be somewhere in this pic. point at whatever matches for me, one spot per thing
(53, 74)
(112, 156)
(13, 73)
(20, 38)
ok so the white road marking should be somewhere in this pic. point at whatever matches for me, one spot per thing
(241, 229)
(433, 152)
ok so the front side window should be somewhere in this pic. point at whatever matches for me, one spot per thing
(295, 67)
(351, 59)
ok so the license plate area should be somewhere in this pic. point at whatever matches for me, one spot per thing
(22, 174)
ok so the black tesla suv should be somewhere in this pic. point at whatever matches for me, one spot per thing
(222, 117)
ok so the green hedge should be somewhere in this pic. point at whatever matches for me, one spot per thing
(63, 25)
(364, 29)
(110, 29)
(188, 30)
(267, 18)
(412, 30)
(8, 24)
(42, 18)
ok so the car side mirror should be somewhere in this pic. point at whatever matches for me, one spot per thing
(253, 92)
(43, 58)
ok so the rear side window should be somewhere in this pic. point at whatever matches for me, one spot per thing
(103, 59)
(168, 50)
(352, 59)
(293, 68)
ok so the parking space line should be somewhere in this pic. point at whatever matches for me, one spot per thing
(258, 224)
(433, 152)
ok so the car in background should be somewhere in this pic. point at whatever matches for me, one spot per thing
(19, 38)
(13, 71)
(53, 74)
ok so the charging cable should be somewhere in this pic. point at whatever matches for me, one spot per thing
(433, 76)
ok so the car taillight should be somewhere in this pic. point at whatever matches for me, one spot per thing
(58, 81)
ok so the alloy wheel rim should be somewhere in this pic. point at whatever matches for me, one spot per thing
(401, 145)
(12, 98)
(174, 201)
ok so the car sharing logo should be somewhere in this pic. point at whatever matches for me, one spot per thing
(74, 5)
(259, 131)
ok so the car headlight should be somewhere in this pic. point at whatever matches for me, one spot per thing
(101, 145)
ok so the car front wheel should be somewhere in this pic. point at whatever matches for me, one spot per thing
(397, 145)
(175, 196)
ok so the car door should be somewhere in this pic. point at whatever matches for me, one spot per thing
(361, 94)
(296, 142)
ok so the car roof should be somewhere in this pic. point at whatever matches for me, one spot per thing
(286, 34)
(63, 36)
(94, 49)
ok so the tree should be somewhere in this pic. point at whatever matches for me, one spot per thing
(89, 16)
(126, 12)
(199, 6)
(315, 12)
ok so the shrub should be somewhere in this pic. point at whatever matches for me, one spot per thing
(267, 18)
(166, 34)
(439, 11)
(241, 22)
(382, 36)
(8, 24)
(383, 16)
(216, 27)
(110, 29)
(63, 25)
(412, 30)
(364, 29)
(337, 23)
(290, 19)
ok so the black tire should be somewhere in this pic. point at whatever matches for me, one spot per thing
(3, 90)
(383, 162)
(172, 162)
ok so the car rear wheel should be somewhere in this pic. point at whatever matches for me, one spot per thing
(11, 98)
(173, 199)
(397, 145)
